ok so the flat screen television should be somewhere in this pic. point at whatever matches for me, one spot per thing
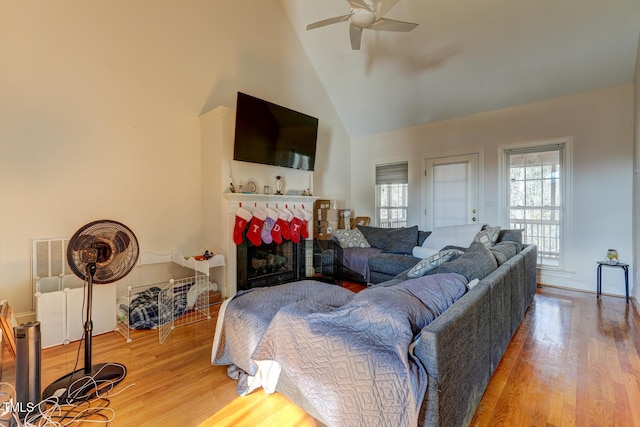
(274, 135)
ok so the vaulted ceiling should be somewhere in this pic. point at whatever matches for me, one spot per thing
(466, 56)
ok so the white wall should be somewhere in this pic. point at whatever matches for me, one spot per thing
(99, 114)
(600, 124)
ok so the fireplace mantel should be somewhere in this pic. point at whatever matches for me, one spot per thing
(268, 198)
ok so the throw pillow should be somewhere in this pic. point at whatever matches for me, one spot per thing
(376, 236)
(488, 236)
(402, 240)
(476, 263)
(504, 250)
(432, 262)
(351, 239)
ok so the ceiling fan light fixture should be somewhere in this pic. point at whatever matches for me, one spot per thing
(363, 18)
(366, 14)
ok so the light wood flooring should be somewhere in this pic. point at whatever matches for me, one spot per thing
(573, 362)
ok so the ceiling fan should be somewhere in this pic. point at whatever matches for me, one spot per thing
(366, 14)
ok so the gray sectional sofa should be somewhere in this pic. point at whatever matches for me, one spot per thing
(462, 347)
(459, 349)
(390, 252)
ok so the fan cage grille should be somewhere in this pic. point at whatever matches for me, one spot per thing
(119, 254)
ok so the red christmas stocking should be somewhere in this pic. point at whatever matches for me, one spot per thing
(304, 232)
(276, 231)
(243, 217)
(283, 222)
(296, 226)
(255, 226)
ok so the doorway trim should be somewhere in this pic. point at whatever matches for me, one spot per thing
(451, 158)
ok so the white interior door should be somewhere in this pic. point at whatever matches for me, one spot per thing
(451, 191)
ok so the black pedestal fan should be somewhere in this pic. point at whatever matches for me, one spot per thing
(100, 252)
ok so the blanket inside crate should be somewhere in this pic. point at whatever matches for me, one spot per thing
(144, 312)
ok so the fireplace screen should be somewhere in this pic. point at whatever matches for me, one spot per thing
(269, 264)
(267, 259)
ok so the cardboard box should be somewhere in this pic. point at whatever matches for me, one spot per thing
(360, 220)
(320, 223)
(323, 204)
(323, 230)
(327, 214)
(321, 236)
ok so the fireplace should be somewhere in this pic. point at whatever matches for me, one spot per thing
(237, 274)
(269, 264)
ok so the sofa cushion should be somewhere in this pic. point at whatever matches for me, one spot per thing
(422, 252)
(351, 239)
(422, 236)
(376, 236)
(432, 262)
(476, 263)
(402, 240)
(502, 251)
(487, 236)
(510, 235)
(456, 235)
(391, 264)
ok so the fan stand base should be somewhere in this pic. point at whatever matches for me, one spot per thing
(80, 386)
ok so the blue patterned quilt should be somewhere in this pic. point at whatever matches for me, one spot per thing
(351, 362)
(144, 312)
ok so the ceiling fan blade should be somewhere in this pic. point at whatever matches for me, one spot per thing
(384, 24)
(384, 6)
(329, 21)
(360, 4)
(356, 36)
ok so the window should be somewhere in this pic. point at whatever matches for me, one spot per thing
(536, 190)
(392, 182)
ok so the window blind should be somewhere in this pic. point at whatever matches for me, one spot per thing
(392, 173)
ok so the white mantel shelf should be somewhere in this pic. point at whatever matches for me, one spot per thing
(236, 199)
(240, 197)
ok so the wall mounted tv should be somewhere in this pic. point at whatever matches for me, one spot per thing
(274, 135)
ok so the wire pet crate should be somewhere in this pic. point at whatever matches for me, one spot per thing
(183, 302)
(164, 306)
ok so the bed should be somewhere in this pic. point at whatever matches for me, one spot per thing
(347, 354)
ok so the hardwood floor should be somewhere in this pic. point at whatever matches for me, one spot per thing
(573, 361)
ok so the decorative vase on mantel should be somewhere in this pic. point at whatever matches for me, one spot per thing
(279, 184)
